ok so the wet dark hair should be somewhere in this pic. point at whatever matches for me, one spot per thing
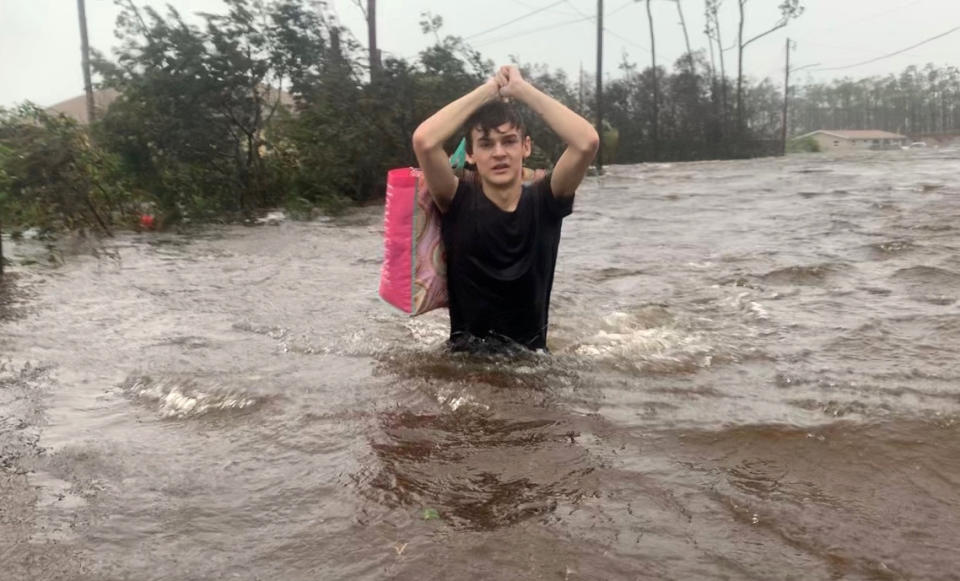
(491, 116)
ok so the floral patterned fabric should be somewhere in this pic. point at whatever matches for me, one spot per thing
(414, 273)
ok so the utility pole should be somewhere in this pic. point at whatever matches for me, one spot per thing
(580, 84)
(686, 37)
(372, 39)
(600, 84)
(786, 99)
(85, 49)
(656, 87)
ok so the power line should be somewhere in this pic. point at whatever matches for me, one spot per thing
(624, 5)
(892, 54)
(583, 18)
(867, 17)
(611, 13)
(525, 5)
(517, 19)
(607, 30)
(575, 9)
(626, 40)
(857, 51)
(621, 37)
(532, 30)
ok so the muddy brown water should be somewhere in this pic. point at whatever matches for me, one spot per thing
(755, 374)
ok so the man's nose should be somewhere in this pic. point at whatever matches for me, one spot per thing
(499, 149)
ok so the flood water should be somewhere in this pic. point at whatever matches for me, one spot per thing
(755, 374)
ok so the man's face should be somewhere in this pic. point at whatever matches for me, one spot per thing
(499, 154)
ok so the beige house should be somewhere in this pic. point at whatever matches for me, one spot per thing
(77, 106)
(844, 140)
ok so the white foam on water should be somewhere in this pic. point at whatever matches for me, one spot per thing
(627, 343)
(455, 399)
(742, 301)
(185, 398)
(428, 332)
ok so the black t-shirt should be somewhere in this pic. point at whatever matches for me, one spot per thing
(500, 264)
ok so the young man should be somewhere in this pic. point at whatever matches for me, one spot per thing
(501, 237)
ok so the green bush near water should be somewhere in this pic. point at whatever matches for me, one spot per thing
(804, 145)
(52, 175)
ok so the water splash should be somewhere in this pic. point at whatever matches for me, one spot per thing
(630, 342)
(187, 398)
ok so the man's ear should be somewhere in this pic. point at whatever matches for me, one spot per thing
(527, 147)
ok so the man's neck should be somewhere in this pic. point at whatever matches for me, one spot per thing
(505, 197)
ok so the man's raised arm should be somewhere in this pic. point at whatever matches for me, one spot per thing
(581, 138)
(429, 137)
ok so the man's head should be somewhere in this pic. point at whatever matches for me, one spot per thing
(497, 142)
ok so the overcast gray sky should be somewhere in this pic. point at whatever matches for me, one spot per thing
(40, 39)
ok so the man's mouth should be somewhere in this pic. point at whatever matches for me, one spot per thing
(501, 167)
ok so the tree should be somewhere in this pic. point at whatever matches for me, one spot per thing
(370, 15)
(5, 152)
(712, 30)
(655, 111)
(917, 101)
(197, 103)
(52, 176)
(789, 9)
(85, 60)
(683, 25)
